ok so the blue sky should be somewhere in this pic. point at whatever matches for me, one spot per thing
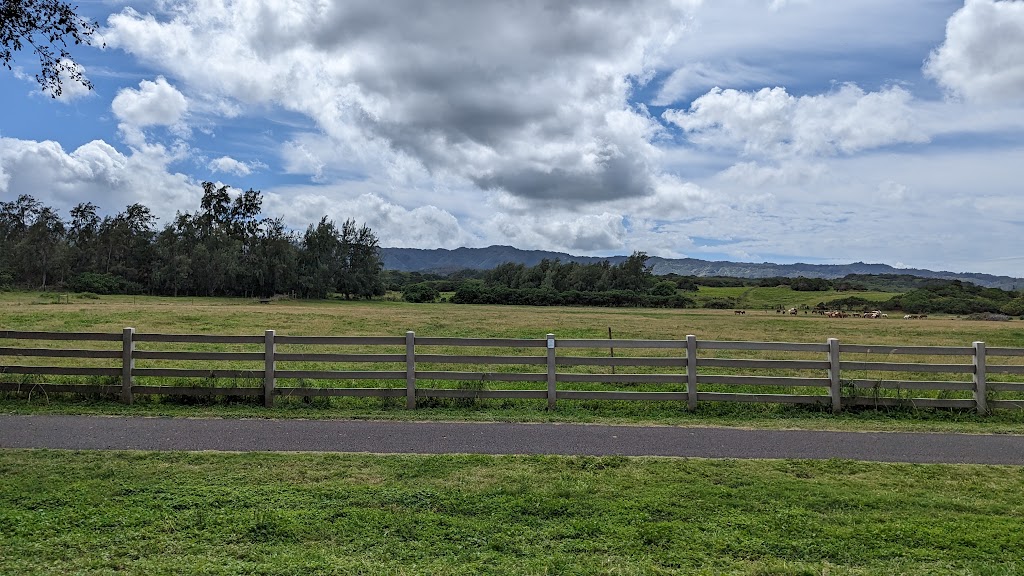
(824, 131)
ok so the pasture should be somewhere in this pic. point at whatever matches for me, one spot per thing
(21, 311)
(211, 513)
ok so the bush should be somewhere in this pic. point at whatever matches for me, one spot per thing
(103, 284)
(1013, 307)
(664, 288)
(989, 317)
(419, 293)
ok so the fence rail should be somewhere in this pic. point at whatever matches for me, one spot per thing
(679, 367)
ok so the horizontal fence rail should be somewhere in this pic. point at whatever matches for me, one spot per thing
(271, 366)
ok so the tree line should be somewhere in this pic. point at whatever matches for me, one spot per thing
(224, 248)
(556, 283)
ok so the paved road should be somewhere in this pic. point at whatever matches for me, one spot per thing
(118, 433)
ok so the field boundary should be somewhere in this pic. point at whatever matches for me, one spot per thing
(271, 372)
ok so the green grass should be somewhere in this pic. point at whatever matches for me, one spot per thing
(210, 513)
(21, 311)
(765, 298)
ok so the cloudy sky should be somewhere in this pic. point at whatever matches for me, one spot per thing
(825, 131)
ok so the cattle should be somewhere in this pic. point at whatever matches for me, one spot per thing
(739, 311)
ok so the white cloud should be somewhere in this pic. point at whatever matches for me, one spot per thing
(229, 165)
(155, 103)
(394, 225)
(72, 89)
(789, 173)
(694, 76)
(531, 98)
(981, 56)
(94, 172)
(771, 122)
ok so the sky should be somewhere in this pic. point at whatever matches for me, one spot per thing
(818, 131)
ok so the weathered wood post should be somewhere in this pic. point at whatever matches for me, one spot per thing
(835, 384)
(269, 367)
(127, 364)
(551, 372)
(980, 386)
(691, 372)
(410, 370)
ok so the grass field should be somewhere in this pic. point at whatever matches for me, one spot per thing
(770, 298)
(29, 311)
(211, 513)
(208, 513)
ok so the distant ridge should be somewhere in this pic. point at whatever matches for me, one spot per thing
(445, 261)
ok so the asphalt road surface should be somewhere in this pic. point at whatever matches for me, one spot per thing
(134, 433)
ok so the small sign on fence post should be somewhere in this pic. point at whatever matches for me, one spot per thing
(835, 384)
(691, 372)
(980, 384)
(552, 390)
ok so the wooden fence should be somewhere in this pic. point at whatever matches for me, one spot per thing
(677, 365)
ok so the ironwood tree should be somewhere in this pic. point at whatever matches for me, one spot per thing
(47, 28)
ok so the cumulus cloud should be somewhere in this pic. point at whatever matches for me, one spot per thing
(771, 122)
(72, 89)
(95, 172)
(530, 98)
(155, 103)
(394, 225)
(980, 59)
(229, 165)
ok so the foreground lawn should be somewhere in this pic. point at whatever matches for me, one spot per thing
(208, 513)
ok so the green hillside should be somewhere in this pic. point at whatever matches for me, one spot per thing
(758, 298)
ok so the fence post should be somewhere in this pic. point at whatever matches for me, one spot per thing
(691, 372)
(835, 384)
(127, 364)
(269, 367)
(410, 370)
(980, 386)
(551, 372)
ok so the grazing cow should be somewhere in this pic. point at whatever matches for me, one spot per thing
(739, 311)
(793, 311)
(911, 317)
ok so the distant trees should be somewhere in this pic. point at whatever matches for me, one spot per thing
(954, 297)
(553, 283)
(225, 248)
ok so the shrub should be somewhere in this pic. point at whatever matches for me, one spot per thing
(103, 284)
(421, 292)
(1013, 307)
(664, 288)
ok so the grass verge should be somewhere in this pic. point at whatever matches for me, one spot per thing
(211, 513)
(583, 412)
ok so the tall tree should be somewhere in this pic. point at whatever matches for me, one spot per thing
(83, 238)
(42, 245)
(360, 274)
(45, 26)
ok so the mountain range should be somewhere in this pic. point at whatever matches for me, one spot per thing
(446, 261)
